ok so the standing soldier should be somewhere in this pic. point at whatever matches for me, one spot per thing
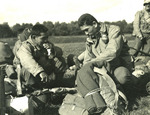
(141, 27)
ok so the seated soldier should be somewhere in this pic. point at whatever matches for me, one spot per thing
(104, 42)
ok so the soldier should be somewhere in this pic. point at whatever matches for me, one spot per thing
(141, 27)
(104, 42)
(42, 65)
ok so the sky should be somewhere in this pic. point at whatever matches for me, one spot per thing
(32, 11)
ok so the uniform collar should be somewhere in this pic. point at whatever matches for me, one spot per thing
(103, 29)
(30, 40)
(93, 41)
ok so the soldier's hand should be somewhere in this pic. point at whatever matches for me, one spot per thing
(140, 36)
(148, 64)
(47, 45)
(139, 58)
(51, 77)
(44, 77)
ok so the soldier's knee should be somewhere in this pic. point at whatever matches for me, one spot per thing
(122, 74)
(70, 60)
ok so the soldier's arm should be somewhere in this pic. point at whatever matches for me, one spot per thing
(27, 60)
(81, 56)
(136, 25)
(114, 45)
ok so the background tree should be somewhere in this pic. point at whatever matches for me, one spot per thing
(50, 27)
(129, 28)
(5, 30)
(74, 29)
(60, 29)
(15, 28)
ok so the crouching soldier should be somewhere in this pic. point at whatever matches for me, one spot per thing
(42, 63)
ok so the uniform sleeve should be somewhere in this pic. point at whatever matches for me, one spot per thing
(136, 25)
(114, 45)
(81, 56)
(27, 60)
(16, 47)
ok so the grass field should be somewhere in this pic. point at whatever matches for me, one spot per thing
(75, 45)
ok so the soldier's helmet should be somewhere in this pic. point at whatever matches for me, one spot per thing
(146, 2)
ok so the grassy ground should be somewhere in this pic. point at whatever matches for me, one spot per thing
(75, 45)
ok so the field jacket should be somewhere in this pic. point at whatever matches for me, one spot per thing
(108, 51)
(33, 58)
(141, 24)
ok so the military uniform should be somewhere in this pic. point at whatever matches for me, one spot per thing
(34, 60)
(21, 37)
(141, 26)
(111, 48)
(142, 30)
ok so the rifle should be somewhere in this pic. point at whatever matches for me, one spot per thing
(146, 54)
(19, 88)
(58, 90)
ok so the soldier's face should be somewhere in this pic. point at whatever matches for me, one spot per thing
(89, 30)
(147, 7)
(40, 40)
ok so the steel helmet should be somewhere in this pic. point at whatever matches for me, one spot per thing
(146, 2)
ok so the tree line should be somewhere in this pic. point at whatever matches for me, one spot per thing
(57, 28)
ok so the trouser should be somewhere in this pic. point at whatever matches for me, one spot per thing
(29, 81)
(124, 77)
(88, 86)
(143, 45)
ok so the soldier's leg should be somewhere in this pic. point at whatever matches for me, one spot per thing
(146, 48)
(88, 85)
(137, 47)
(127, 82)
(29, 80)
